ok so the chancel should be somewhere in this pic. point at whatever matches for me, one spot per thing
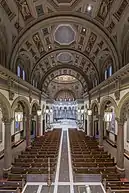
(64, 96)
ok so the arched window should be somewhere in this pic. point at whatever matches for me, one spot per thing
(18, 71)
(95, 110)
(108, 72)
(33, 83)
(23, 75)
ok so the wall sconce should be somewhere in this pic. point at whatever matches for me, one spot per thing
(39, 111)
(89, 112)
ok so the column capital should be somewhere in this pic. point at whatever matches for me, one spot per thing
(7, 120)
(29, 116)
(99, 116)
(120, 121)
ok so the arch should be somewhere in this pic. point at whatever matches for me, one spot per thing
(108, 62)
(93, 105)
(122, 106)
(24, 102)
(68, 67)
(60, 70)
(68, 49)
(61, 16)
(6, 108)
(33, 103)
(103, 103)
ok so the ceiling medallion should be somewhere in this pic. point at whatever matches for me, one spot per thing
(64, 57)
(64, 34)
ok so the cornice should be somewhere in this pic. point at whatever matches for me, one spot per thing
(6, 74)
(119, 75)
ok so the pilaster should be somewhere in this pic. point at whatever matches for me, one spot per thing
(120, 147)
(28, 131)
(100, 126)
(7, 148)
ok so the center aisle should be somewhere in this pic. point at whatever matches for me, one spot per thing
(65, 180)
(64, 166)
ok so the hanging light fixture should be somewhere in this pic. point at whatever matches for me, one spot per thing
(89, 112)
(108, 114)
(82, 111)
(19, 113)
(51, 110)
(47, 111)
(79, 110)
(39, 111)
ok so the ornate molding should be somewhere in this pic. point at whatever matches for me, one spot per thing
(120, 121)
(7, 121)
(119, 75)
(7, 75)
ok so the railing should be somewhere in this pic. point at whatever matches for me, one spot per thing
(115, 191)
(10, 191)
(109, 190)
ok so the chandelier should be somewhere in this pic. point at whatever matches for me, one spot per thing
(19, 113)
(108, 114)
(39, 111)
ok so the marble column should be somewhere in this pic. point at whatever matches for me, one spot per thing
(7, 148)
(120, 148)
(44, 126)
(28, 131)
(90, 125)
(38, 125)
(24, 124)
(85, 125)
(100, 127)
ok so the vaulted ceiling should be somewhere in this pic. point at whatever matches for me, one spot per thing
(64, 37)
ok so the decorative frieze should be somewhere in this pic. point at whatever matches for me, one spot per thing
(24, 9)
(121, 9)
(8, 11)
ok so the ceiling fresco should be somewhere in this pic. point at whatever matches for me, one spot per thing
(64, 35)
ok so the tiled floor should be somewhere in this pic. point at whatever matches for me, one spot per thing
(64, 166)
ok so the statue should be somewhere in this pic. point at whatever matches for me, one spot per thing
(103, 9)
(24, 9)
(38, 43)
